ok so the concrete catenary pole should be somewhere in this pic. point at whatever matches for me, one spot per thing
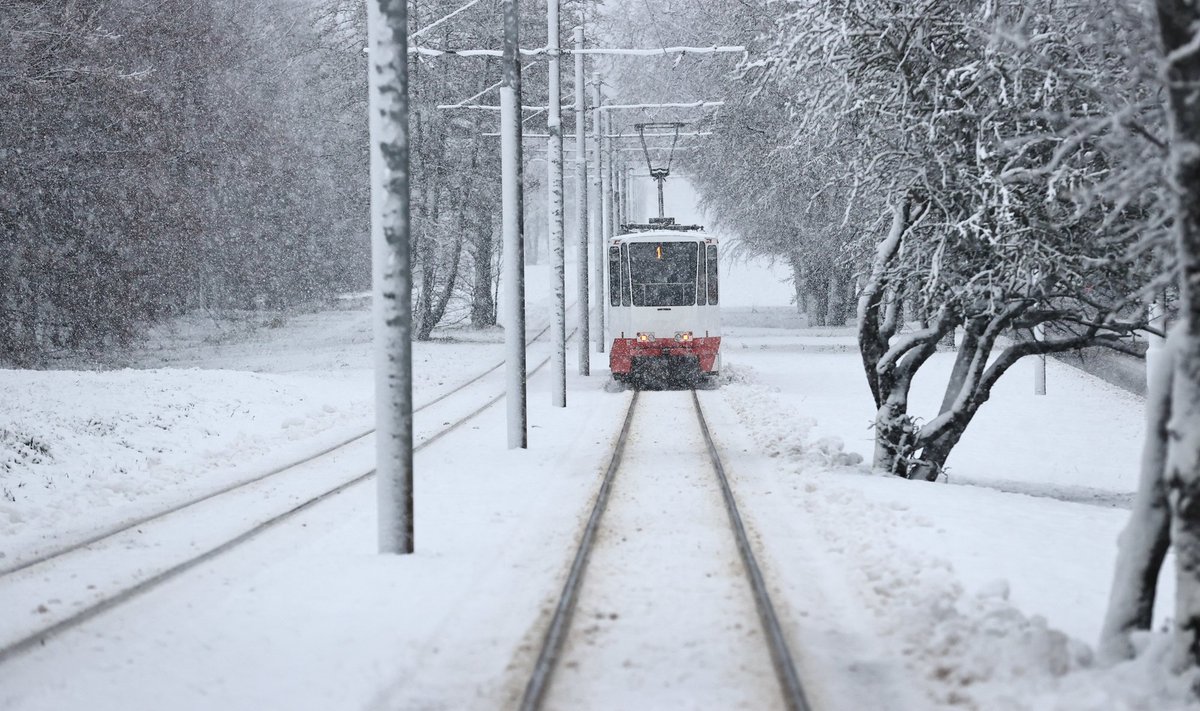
(581, 201)
(596, 200)
(554, 148)
(513, 229)
(610, 185)
(391, 271)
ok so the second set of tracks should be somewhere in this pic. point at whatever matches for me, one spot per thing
(62, 588)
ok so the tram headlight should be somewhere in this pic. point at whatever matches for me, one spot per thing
(683, 336)
(645, 337)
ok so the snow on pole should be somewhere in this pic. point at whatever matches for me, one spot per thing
(555, 188)
(597, 202)
(581, 204)
(512, 220)
(391, 271)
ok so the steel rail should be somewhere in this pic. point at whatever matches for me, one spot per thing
(40, 637)
(781, 656)
(556, 634)
(119, 528)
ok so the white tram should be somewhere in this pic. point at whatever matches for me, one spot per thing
(663, 300)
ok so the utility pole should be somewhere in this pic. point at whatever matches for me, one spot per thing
(610, 184)
(513, 228)
(391, 271)
(597, 202)
(581, 202)
(554, 209)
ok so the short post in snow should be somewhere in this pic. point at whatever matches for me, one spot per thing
(1039, 366)
(513, 229)
(1156, 312)
(391, 271)
(554, 210)
(581, 202)
(597, 202)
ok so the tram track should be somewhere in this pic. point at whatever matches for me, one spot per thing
(133, 523)
(72, 565)
(559, 631)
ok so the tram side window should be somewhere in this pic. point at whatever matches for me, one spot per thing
(664, 273)
(614, 276)
(711, 272)
(625, 282)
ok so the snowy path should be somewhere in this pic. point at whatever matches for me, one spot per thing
(686, 636)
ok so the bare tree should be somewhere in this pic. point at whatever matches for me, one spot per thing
(1166, 511)
(1007, 171)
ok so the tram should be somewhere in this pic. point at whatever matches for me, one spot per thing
(663, 297)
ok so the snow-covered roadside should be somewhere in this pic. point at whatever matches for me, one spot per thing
(988, 600)
(80, 449)
(309, 617)
(201, 404)
(900, 595)
(1080, 441)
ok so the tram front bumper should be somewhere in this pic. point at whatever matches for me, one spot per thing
(625, 350)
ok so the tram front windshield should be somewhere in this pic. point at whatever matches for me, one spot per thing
(663, 273)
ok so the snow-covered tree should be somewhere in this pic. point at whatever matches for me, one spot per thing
(170, 157)
(1166, 511)
(1005, 146)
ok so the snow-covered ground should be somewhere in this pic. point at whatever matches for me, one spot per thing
(985, 593)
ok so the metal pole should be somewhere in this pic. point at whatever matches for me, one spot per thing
(513, 223)
(581, 204)
(597, 202)
(391, 272)
(618, 196)
(630, 207)
(555, 209)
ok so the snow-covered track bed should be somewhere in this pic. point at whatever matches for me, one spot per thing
(61, 589)
(618, 637)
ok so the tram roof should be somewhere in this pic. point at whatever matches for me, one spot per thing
(665, 236)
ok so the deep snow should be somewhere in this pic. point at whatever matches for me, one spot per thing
(898, 595)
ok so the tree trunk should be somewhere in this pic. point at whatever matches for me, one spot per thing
(483, 302)
(1179, 21)
(962, 363)
(797, 265)
(893, 434)
(438, 309)
(835, 313)
(1143, 544)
